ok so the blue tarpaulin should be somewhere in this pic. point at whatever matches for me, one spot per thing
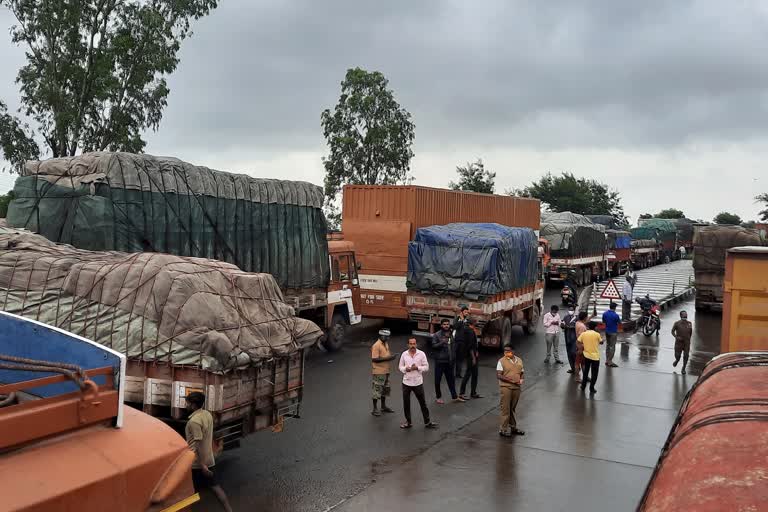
(472, 260)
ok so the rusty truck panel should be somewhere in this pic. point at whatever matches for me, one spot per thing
(715, 457)
(745, 304)
(425, 206)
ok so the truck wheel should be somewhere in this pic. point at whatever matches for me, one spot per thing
(533, 321)
(336, 333)
(506, 332)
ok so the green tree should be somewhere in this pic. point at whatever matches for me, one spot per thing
(95, 72)
(4, 202)
(646, 216)
(670, 213)
(566, 193)
(369, 137)
(726, 218)
(763, 198)
(474, 178)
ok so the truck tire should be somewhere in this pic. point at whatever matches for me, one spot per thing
(506, 331)
(336, 333)
(533, 321)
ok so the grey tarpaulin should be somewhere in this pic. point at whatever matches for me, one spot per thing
(572, 235)
(132, 203)
(150, 306)
(472, 260)
(711, 243)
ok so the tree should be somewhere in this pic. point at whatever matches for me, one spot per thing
(578, 195)
(95, 72)
(4, 202)
(646, 216)
(474, 178)
(725, 218)
(670, 213)
(749, 224)
(369, 136)
(763, 198)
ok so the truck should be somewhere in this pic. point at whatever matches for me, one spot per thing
(381, 221)
(491, 269)
(183, 324)
(113, 201)
(578, 248)
(745, 300)
(619, 255)
(67, 441)
(644, 253)
(710, 245)
(722, 419)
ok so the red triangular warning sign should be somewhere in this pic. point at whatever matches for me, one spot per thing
(610, 291)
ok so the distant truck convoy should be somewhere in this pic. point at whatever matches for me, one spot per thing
(66, 440)
(381, 222)
(140, 203)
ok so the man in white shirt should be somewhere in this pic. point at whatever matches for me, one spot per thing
(552, 323)
(626, 299)
(413, 363)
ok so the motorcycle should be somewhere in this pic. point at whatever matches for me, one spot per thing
(650, 321)
(568, 296)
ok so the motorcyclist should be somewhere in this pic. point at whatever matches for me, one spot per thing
(646, 303)
(570, 283)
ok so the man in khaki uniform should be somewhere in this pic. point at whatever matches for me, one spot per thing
(199, 433)
(509, 371)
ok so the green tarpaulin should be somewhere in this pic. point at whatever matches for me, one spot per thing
(135, 203)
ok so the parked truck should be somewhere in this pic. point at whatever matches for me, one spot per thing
(140, 203)
(184, 324)
(381, 221)
(745, 300)
(619, 255)
(578, 247)
(490, 268)
(67, 442)
(645, 253)
(711, 244)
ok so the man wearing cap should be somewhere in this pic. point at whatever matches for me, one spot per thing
(380, 358)
(682, 331)
(509, 372)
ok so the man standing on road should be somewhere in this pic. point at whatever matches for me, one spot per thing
(591, 341)
(682, 331)
(473, 360)
(569, 326)
(552, 323)
(380, 358)
(460, 347)
(626, 298)
(509, 372)
(611, 320)
(581, 328)
(413, 364)
(199, 434)
(442, 345)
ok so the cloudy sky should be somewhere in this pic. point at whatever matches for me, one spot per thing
(665, 101)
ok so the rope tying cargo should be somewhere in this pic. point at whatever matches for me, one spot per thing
(71, 371)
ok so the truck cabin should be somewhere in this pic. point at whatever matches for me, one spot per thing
(344, 266)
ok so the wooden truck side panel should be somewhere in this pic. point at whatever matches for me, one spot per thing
(745, 304)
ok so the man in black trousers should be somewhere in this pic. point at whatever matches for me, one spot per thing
(473, 359)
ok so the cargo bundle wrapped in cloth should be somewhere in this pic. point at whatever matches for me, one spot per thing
(710, 246)
(578, 247)
(472, 260)
(132, 203)
(184, 323)
(491, 269)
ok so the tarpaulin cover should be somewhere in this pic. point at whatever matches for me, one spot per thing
(684, 229)
(472, 260)
(151, 306)
(649, 233)
(644, 243)
(133, 203)
(618, 239)
(572, 235)
(663, 225)
(711, 244)
(605, 220)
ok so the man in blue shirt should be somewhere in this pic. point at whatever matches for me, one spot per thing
(611, 319)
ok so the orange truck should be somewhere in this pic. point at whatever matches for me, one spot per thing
(745, 304)
(67, 442)
(382, 220)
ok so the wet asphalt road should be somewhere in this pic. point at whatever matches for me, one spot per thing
(581, 452)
